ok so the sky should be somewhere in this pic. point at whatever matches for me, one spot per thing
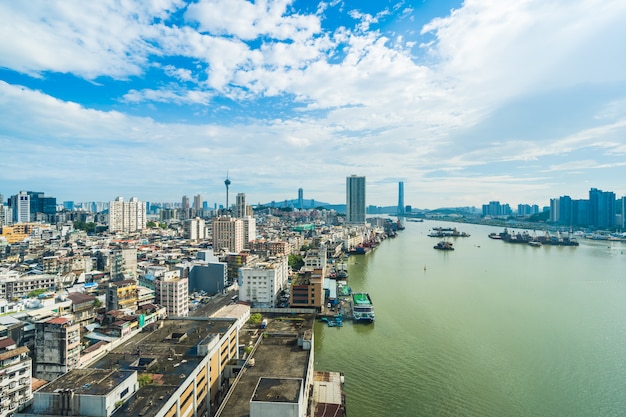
(466, 102)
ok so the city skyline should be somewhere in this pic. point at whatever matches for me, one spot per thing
(464, 102)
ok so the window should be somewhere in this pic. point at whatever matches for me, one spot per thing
(123, 393)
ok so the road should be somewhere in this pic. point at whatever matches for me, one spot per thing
(215, 303)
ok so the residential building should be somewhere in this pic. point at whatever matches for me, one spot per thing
(57, 347)
(355, 200)
(173, 294)
(122, 295)
(84, 307)
(16, 380)
(195, 229)
(15, 286)
(127, 216)
(261, 283)
(601, 209)
(197, 203)
(249, 230)
(241, 208)
(228, 234)
(307, 288)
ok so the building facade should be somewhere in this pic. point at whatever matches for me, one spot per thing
(57, 347)
(195, 229)
(122, 295)
(228, 234)
(173, 294)
(261, 283)
(20, 205)
(127, 216)
(355, 200)
(15, 377)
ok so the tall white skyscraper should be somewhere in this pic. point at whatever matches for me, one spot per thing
(355, 200)
(127, 216)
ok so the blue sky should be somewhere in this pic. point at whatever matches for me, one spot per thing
(465, 102)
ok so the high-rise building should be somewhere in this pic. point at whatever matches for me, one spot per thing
(401, 197)
(20, 204)
(228, 234)
(249, 229)
(240, 206)
(300, 198)
(355, 200)
(127, 216)
(41, 207)
(3, 212)
(197, 202)
(622, 203)
(185, 208)
(601, 208)
(195, 229)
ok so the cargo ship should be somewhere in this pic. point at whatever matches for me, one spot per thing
(362, 307)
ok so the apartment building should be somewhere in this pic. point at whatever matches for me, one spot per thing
(57, 347)
(173, 294)
(228, 234)
(122, 294)
(260, 284)
(15, 377)
(127, 216)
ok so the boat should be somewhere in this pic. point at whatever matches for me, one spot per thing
(494, 235)
(362, 307)
(534, 243)
(443, 245)
(439, 232)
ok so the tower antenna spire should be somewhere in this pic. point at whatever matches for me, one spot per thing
(227, 184)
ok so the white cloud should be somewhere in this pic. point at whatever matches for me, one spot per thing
(252, 20)
(89, 39)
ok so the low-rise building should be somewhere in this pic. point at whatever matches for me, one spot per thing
(176, 370)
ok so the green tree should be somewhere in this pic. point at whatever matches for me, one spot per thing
(144, 379)
(295, 261)
(256, 318)
(151, 225)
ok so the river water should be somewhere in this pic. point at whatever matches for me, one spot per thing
(489, 329)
